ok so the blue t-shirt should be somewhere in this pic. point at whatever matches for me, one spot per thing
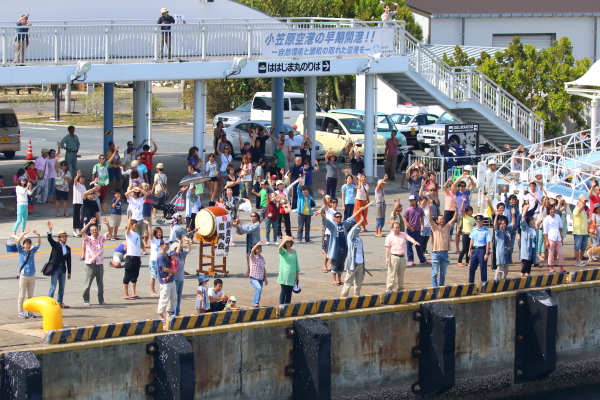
(142, 170)
(349, 193)
(180, 277)
(307, 174)
(115, 206)
(459, 200)
(29, 268)
(120, 249)
(163, 261)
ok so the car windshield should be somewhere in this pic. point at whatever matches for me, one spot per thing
(246, 107)
(446, 118)
(286, 128)
(385, 124)
(354, 125)
(401, 119)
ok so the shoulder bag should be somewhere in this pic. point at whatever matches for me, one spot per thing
(48, 268)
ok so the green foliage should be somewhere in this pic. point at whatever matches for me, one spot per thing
(94, 103)
(157, 106)
(38, 101)
(536, 78)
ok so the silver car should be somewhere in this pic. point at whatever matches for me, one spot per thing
(242, 113)
(244, 128)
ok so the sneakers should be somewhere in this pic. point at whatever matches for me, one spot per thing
(31, 315)
(581, 264)
(410, 263)
(310, 241)
(267, 243)
(275, 243)
(23, 315)
(426, 263)
(87, 303)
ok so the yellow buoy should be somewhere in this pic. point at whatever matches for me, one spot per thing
(50, 310)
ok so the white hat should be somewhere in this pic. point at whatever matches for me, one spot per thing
(468, 168)
(492, 162)
(163, 10)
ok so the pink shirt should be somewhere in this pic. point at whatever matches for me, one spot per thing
(94, 249)
(450, 199)
(396, 243)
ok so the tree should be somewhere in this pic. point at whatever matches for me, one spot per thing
(536, 78)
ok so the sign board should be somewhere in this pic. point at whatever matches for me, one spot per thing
(462, 128)
(179, 18)
(295, 66)
(326, 42)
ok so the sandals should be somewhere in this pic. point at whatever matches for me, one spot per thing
(66, 215)
(63, 305)
(324, 271)
(461, 264)
(58, 215)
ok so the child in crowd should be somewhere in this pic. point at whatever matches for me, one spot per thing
(305, 212)
(348, 193)
(116, 206)
(380, 206)
(147, 213)
(174, 261)
(27, 270)
(271, 216)
(202, 302)
(231, 304)
(258, 272)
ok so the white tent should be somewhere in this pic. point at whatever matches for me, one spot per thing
(578, 87)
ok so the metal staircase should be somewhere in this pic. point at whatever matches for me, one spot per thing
(466, 93)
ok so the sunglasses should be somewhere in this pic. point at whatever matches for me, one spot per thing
(254, 216)
(337, 216)
(333, 201)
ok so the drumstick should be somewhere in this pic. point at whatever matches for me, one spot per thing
(367, 271)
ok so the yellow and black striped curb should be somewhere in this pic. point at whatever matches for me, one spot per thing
(221, 318)
(432, 293)
(527, 282)
(585, 275)
(331, 305)
(105, 331)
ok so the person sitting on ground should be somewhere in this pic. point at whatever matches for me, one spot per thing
(217, 296)
(119, 255)
(231, 304)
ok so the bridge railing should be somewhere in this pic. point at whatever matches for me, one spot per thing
(214, 40)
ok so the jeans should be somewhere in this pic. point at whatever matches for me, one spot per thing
(349, 211)
(285, 296)
(330, 186)
(257, 285)
(179, 289)
(409, 247)
(303, 224)
(439, 262)
(51, 187)
(43, 183)
(271, 224)
(22, 213)
(57, 275)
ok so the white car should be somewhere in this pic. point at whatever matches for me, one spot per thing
(242, 113)
(244, 127)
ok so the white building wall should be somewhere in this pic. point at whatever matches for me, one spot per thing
(479, 31)
(387, 98)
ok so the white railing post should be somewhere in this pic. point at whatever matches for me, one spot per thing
(106, 41)
(481, 86)
(498, 103)
(157, 43)
(4, 46)
(55, 46)
(203, 42)
(249, 36)
(436, 77)
(515, 114)
(470, 84)
(403, 42)
(418, 59)
(532, 135)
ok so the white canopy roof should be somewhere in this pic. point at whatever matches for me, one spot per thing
(590, 78)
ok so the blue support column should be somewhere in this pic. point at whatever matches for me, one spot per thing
(277, 95)
(109, 117)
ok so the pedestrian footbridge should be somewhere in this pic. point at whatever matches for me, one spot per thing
(270, 48)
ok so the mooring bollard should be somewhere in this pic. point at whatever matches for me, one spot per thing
(50, 310)
(173, 370)
(21, 376)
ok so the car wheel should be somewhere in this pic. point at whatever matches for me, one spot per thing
(9, 155)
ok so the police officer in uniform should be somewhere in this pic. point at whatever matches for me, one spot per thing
(479, 249)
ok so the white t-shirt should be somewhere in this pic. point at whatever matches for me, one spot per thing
(211, 293)
(225, 160)
(154, 248)
(133, 244)
(295, 142)
(531, 199)
(78, 190)
(329, 215)
(136, 206)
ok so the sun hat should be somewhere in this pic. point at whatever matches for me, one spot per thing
(163, 10)
(232, 298)
(159, 165)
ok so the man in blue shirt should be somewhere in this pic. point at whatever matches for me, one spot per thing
(479, 249)
(166, 20)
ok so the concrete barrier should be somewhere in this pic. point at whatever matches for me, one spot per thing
(221, 318)
(425, 294)
(585, 275)
(97, 332)
(331, 305)
(528, 282)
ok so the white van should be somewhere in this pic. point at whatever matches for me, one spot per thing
(293, 106)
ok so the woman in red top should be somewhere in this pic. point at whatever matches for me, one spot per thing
(594, 196)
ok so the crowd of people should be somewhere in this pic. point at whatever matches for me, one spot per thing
(273, 189)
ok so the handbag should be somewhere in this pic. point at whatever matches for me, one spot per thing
(48, 268)
(41, 173)
(179, 202)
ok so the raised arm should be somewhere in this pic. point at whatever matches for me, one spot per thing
(153, 144)
(284, 241)
(253, 251)
(25, 232)
(94, 189)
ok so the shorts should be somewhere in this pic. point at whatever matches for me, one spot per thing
(152, 266)
(337, 264)
(459, 225)
(118, 257)
(426, 231)
(114, 174)
(214, 179)
(581, 242)
(115, 220)
(60, 195)
(379, 222)
(132, 269)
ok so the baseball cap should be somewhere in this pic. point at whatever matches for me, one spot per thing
(172, 253)
(412, 197)
(279, 183)
(130, 149)
(263, 183)
(273, 176)
(163, 10)
(165, 241)
(202, 279)
(232, 298)
(492, 162)
(468, 168)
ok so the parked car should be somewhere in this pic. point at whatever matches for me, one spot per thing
(334, 130)
(385, 126)
(409, 125)
(244, 127)
(437, 132)
(10, 133)
(293, 105)
(242, 113)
